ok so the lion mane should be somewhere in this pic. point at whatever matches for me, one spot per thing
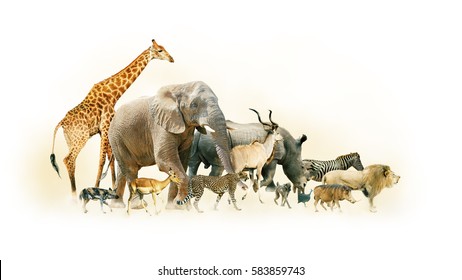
(371, 181)
(376, 178)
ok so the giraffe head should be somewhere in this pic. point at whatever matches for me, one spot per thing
(158, 52)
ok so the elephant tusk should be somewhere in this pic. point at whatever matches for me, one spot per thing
(209, 129)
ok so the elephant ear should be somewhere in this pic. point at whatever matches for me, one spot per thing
(166, 112)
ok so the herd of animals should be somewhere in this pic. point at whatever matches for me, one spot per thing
(181, 127)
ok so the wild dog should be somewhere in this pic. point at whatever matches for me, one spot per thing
(97, 194)
(282, 191)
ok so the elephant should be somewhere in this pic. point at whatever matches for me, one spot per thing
(287, 153)
(160, 130)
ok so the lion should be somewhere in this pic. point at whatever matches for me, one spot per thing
(371, 181)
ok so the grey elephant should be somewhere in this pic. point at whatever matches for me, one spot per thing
(160, 130)
(287, 153)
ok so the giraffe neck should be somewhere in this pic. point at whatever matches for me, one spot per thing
(115, 86)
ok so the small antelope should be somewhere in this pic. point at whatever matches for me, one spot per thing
(143, 186)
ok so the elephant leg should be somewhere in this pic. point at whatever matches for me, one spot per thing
(172, 193)
(137, 200)
(193, 166)
(179, 191)
(217, 170)
(121, 181)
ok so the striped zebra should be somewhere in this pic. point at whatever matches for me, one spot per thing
(316, 169)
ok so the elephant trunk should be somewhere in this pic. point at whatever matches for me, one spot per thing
(216, 121)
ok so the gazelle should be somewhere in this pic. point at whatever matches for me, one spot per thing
(143, 186)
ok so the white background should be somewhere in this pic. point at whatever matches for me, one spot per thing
(380, 79)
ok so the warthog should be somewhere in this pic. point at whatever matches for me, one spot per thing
(332, 194)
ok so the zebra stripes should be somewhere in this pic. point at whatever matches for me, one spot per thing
(316, 169)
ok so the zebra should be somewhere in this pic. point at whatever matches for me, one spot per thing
(316, 169)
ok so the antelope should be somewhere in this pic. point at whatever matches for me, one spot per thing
(144, 186)
(256, 154)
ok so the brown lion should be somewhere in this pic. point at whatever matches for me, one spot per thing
(371, 181)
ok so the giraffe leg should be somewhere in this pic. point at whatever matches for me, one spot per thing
(112, 165)
(76, 140)
(103, 151)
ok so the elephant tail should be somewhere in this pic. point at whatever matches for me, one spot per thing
(52, 156)
(186, 199)
(108, 165)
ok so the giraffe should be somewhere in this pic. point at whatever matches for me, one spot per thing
(94, 114)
